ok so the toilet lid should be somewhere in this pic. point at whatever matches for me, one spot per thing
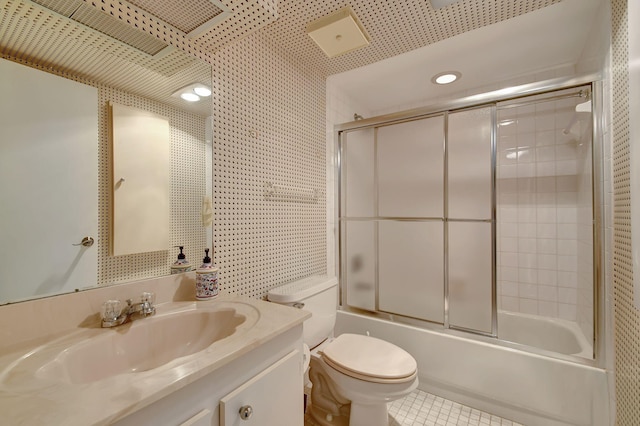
(370, 359)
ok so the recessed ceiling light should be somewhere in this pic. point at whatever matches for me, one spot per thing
(191, 97)
(192, 92)
(446, 77)
(202, 91)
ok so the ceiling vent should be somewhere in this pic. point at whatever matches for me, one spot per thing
(87, 15)
(192, 17)
(338, 33)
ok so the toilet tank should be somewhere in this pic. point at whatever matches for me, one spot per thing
(316, 294)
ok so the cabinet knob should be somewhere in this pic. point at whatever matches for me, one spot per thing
(245, 412)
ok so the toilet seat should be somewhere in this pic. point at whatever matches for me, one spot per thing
(369, 359)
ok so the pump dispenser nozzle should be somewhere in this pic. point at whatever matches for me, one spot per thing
(181, 255)
(181, 265)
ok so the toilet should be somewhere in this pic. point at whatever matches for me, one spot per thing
(353, 376)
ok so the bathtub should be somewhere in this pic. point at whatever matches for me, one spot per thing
(555, 335)
(532, 389)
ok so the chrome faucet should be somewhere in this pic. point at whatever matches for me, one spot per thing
(113, 314)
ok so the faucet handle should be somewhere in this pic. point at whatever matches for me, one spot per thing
(148, 298)
(111, 310)
(146, 307)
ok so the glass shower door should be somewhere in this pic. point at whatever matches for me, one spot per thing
(545, 222)
(392, 223)
(470, 279)
(480, 219)
(410, 164)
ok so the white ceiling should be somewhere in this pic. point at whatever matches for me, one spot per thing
(394, 26)
(546, 38)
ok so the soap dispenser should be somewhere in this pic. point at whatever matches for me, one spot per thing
(206, 279)
(182, 264)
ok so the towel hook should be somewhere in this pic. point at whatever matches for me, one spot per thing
(86, 242)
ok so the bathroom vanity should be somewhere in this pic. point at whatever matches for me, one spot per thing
(192, 363)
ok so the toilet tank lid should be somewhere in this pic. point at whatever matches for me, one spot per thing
(295, 291)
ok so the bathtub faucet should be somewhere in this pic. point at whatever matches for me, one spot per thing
(113, 314)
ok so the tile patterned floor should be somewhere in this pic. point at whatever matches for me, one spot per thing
(423, 409)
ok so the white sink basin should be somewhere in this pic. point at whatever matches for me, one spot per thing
(176, 331)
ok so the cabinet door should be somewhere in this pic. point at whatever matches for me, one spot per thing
(269, 407)
(140, 142)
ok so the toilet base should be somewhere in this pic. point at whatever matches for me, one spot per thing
(322, 417)
(339, 400)
(327, 407)
(359, 415)
(369, 415)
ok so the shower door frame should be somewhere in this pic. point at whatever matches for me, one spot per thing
(490, 99)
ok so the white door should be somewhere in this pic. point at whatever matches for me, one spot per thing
(48, 183)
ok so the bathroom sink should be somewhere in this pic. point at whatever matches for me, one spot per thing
(139, 346)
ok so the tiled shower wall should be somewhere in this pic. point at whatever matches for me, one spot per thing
(269, 127)
(540, 182)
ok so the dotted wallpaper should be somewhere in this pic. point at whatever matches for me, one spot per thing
(269, 127)
(627, 317)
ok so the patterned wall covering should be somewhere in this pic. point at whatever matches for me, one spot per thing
(627, 317)
(269, 122)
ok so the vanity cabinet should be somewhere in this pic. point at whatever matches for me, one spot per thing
(268, 379)
(269, 398)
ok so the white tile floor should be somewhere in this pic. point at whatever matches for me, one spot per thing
(421, 408)
(424, 409)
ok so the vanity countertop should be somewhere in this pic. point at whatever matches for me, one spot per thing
(30, 398)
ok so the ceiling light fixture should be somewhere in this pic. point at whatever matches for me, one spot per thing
(202, 91)
(193, 92)
(190, 97)
(446, 77)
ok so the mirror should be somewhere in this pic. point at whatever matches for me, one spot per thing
(80, 44)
